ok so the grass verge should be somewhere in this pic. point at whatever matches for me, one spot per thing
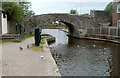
(37, 49)
(0, 41)
(25, 37)
(18, 41)
(40, 48)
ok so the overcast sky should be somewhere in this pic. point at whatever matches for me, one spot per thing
(64, 6)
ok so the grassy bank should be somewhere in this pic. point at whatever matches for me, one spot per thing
(20, 40)
(37, 49)
(25, 37)
(0, 41)
(40, 48)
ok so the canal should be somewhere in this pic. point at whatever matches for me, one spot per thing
(79, 57)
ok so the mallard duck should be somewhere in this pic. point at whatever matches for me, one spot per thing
(21, 48)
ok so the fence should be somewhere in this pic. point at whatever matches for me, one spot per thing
(104, 31)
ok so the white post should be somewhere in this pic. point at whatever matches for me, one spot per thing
(93, 31)
(109, 31)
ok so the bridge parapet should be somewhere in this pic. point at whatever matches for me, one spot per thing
(104, 31)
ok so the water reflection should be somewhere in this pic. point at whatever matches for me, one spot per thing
(79, 57)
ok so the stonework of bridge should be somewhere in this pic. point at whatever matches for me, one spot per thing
(73, 22)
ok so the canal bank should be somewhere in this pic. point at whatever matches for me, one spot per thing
(26, 62)
(117, 41)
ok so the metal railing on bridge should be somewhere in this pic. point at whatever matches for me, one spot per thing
(104, 31)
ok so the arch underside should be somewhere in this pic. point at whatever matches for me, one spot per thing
(72, 31)
(71, 28)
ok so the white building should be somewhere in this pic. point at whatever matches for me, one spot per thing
(3, 22)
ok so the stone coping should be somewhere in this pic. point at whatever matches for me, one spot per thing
(46, 46)
(99, 39)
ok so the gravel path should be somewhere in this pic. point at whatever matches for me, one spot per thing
(27, 62)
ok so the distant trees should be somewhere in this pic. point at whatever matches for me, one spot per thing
(56, 23)
(73, 11)
(109, 9)
(17, 11)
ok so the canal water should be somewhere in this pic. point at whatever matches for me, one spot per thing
(79, 57)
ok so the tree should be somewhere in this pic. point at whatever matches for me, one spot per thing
(73, 11)
(14, 11)
(109, 9)
(17, 11)
(0, 5)
(26, 8)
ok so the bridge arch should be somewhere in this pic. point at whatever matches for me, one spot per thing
(73, 22)
(39, 21)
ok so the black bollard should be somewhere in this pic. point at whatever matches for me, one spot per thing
(40, 35)
(37, 37)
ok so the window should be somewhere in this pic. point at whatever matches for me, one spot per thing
(118, 8)
(118, 23)
(24, 29)
(4, 16)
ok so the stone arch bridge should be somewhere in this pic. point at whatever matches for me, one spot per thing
(73, 22)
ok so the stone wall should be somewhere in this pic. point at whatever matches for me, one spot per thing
(11, 27)
(96, 19)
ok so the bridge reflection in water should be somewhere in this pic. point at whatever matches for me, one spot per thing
(79, 57)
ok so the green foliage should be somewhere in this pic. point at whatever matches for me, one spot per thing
(37, 49)
(55, 24)
(26, 8)
(109, 8)
(0, 41)
(13, 11)
(17, 11)
(73, 11)
(25, 37)
(0, 4)
(29, 13)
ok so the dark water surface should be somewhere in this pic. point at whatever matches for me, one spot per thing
(79, 57)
